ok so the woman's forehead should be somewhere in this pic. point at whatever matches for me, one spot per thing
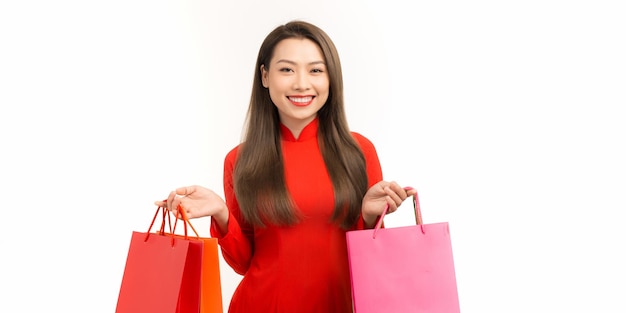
(297, 51)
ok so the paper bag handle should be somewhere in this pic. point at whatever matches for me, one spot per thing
(416, 208)
(172, 230)
(186, 222)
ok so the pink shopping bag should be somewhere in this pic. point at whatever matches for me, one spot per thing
(403, 269)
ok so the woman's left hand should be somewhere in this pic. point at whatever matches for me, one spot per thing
(380, 195)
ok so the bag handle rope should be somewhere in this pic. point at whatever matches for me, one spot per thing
(183, 216)
(416, 208)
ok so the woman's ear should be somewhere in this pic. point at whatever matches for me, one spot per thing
(264, 73)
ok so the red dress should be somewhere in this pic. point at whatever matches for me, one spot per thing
(301, 268)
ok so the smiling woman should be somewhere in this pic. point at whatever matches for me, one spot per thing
(297, 182)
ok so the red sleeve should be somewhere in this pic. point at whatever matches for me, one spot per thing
(237, 243)
(372, 166)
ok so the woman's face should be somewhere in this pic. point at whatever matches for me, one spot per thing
(297, 80)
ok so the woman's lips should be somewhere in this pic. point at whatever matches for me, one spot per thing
(301, 101)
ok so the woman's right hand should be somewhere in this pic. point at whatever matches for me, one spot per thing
(197, 201)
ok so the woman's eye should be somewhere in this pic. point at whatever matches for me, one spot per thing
(317, 70)
(285, 69)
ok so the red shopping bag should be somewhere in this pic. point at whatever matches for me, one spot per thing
(162, 273)
(403, 269)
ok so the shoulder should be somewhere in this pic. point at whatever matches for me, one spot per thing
(372, 162)
(231, 157)
(366, 145)
(363, 141)
(232, 154)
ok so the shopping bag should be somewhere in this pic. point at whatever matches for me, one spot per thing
(403, 269)
(210, 279)
(211, 286)
(162, 273)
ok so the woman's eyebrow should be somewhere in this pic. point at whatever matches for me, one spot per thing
(294, 63)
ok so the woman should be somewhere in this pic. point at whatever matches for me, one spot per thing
(298, 181)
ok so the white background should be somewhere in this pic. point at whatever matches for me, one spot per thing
(507, 116)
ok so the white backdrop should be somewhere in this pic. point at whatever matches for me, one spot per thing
(508, 117)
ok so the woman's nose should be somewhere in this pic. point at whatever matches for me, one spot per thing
(301, 82)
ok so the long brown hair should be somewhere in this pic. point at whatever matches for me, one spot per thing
(259, 179)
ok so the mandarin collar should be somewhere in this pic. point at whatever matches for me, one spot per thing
(309, 131)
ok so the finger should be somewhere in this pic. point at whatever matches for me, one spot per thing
(402, 192)
(160, 203)
(170, 199)
(392, 194)
(381, 185)
(399, 190)
(177, 204)
(392, 204)
(410, 191)
(185, 191)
